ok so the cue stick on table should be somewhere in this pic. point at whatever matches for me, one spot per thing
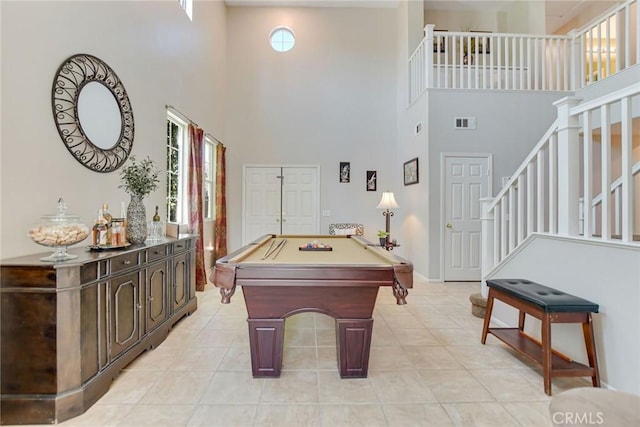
(279, 248)
(268, 252)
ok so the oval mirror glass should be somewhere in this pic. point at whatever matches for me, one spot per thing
(99, 115)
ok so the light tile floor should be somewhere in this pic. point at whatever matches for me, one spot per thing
(427, 368)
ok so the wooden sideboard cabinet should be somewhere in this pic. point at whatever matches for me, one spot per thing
(67, 329)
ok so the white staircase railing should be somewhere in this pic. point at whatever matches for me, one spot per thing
(609, 43)
(616, 194)
(498, 61)
(474, 60)
(588, 148)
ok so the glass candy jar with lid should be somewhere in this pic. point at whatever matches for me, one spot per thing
(59, 231)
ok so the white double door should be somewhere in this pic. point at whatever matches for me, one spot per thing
(280, 200)
(467, 179)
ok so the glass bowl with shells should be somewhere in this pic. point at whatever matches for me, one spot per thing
(59, 231)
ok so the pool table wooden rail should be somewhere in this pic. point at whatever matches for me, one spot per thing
(231, 271)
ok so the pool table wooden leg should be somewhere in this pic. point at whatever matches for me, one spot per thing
(354, 344)
(400, 292)
(226, 294)
(266, 338)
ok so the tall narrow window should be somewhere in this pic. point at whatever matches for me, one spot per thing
(187, 5)
(208, 177)
(176, 169)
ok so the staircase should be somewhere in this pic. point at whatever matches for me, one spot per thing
(569, 217)
(582, 178)
(590, 147)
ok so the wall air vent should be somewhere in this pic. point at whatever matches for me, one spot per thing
(465, 123)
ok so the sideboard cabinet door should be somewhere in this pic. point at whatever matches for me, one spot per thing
(124, 310)
(157, 295)
(181, 278)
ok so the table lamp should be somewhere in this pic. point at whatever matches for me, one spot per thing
(387, 202)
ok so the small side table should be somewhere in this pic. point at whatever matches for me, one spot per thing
(390, 245)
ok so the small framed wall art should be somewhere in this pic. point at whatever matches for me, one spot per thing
(411, 172)
(372, 180)
(345, 172)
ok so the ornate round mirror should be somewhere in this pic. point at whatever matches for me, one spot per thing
(92, 113)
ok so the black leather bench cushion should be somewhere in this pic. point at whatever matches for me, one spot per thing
(549, 299)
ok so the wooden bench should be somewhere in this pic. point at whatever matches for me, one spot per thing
(549, 306)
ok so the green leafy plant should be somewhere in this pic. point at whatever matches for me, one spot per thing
(139, 178)
(382, 234)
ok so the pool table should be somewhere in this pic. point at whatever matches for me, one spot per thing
(282, 279)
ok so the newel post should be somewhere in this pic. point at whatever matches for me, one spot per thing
(487, 259)
(428, 56)
(568, 167)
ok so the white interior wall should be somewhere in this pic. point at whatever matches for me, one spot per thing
(415, 197)
(462, 20)
(410, 221)
(524, 17)
(331, 98)
(415, 24)
(495, 114)
(160, 56)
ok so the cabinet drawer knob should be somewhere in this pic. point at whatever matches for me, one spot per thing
(138, 306)
(150, 298)
(126, 262)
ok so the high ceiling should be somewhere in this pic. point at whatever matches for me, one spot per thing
(557, 12)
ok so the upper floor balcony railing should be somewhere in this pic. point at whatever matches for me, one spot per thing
(478, 60)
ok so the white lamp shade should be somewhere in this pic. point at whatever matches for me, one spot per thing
(388, 201)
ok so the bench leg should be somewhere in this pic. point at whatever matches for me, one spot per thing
(487, 317)
(589, 342)
(521, 315)
(546, 353)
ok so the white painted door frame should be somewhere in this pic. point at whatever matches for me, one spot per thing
(244, 189)
(443, 196)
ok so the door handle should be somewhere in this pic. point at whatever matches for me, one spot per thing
(449, 225)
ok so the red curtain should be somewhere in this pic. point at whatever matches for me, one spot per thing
(220, 236)
(196, 142)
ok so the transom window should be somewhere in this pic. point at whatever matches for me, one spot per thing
(282, 39)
